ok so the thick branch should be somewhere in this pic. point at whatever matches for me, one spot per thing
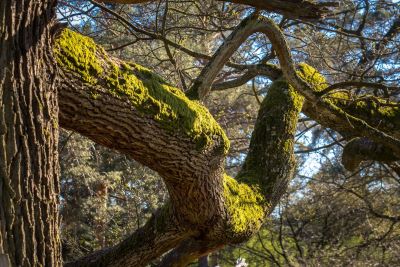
(377, 112)
(360, 149)
(270, 160)
(265, 175)
(326, 107)
(128, 108)
(160, 234)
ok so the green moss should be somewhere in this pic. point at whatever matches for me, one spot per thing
(95, 95)
(373, 109)
(376, 111)
(390, 112)
(148, 92)
(78, 53)
(312, 76)
(245, 205)
(270, 159)
(271, 147)
(291, 97)
(288, 145)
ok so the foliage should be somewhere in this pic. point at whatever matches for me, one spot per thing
(104, 195)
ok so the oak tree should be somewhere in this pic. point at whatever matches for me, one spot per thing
(54, 77)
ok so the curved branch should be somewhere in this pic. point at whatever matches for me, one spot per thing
(325, 108)
(268, 168)
(128, 108)
(268, 70)
(234, 82)
(361, 149)
(270, 161)
(160, 234)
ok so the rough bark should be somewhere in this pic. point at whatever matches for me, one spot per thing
(270, 160)
(29, 182)
(266, 173)
(377, 112)
(128, 108)
(361, 149)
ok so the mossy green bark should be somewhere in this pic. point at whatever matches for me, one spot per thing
(148, 92)
(377, 112)
(270, 161)
(271, 148)
(79, 54)
(374, 110)
(312, 76)
(245, 206)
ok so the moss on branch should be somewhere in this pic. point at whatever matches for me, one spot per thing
(147, 92)
(312, 77)
(271, 147)
(246, 207)
(269, 164)
(373, 110)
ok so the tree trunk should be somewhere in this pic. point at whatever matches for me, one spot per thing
(29, 179)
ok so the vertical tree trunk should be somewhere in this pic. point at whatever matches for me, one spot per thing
(29, 182)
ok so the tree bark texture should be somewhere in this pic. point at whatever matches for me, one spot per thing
(29, 179)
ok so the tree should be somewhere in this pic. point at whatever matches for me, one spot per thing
(126, 107)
